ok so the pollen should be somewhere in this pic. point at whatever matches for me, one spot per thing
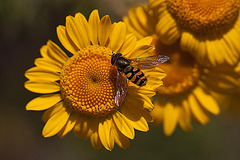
(183, 72)
(88, 82)
(205, 16)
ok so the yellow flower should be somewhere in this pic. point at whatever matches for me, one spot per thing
(79, 91)
(208, 29)
(187, 89)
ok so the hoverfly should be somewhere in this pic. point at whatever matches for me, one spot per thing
(126, 68)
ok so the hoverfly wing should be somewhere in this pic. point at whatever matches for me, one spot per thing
(150, 61)
(121, 89)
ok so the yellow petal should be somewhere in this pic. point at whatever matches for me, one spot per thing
(154, 77)
(137, 110)
(206, 100)
(149, 92)
(56, 53)
(111, 137)
(104, 30)
(200, 49)
(167, 29)
(48, 64)
(142, 50)
(195, 45)
(142, 15)
(53, 110)
(133, 18)
(83, 29)
(140, 100)
(86, 126)
(128, 45)
(74, 32)
(224, 51)
(157, 4)
(144, 41)
(94, 138)
(42, 86)
(44, 51)
(174, 35)
(123, 125)
(185, 117)
(37, 73)
(55, 123)
(53, 54)
(187, 42)
(104, 130)
(92, 125)
(219, 53)
(210, 50)
(157, 112)
(94, 24)
(65, 39)
(230, 56)
(131, 29)
(95, 141)
(69, 125)
(43, 102)
(222, 79)
(197, 111)
(136, 115)
(170, 118)
(136, 121)
(232, 39)
(117, 36)
(121, 140)
(82, 127)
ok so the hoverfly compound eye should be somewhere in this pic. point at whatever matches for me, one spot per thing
(119, 54)
(113, 59)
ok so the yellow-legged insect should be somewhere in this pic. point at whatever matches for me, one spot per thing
(135, 75)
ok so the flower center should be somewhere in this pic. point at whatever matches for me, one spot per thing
(205, 16)
(88, 82)
(182, 70)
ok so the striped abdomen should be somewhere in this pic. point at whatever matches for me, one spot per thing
(135, 75)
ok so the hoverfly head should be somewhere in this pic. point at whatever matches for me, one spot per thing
(115, 57)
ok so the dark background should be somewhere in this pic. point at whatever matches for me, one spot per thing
(26, 25)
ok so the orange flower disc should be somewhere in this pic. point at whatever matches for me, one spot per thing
(183, 72)
(205, 16)
(88, 82)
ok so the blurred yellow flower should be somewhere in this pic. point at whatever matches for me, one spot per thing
(231, 101)
(80, 91)
(186, 90)
(208, 29)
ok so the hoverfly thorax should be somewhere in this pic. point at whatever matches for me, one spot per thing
(119, 61)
